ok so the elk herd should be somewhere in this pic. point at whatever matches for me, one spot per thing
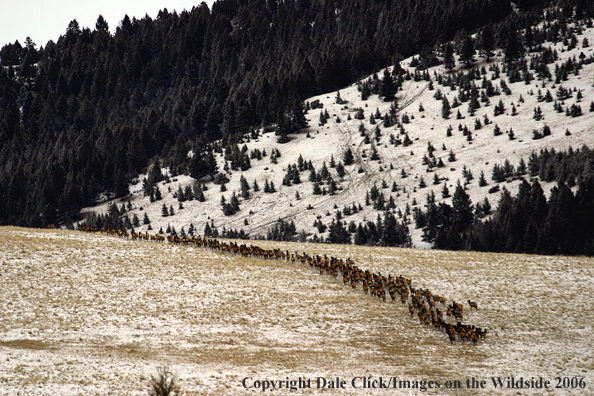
(429, 307)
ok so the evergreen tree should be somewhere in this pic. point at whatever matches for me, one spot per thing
(340, 170)
(200, 196)
(158, 195)
(121, 184)
(203, 164)
(361, 235)
(391, 231)
(467, 51)
(448, 57)
(338, 233)
(234, 202)
(388, 87)
(317, 189)
(462, 208)
(245, 187)
(445, 108)
(487, 42)
(513, 49)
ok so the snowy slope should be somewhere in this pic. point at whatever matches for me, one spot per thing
(318, 143)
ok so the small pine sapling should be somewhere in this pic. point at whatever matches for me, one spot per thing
(482, 180)
(497, 130)
(445, 192)
(451, 156)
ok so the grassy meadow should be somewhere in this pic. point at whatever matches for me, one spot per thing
(87, 314)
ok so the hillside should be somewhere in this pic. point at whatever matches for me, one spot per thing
(418, 117)
(88, 111)
(93, 314)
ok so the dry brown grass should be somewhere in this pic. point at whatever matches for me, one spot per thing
(100, 313)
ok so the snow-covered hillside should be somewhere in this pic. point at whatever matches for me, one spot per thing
(319, 143)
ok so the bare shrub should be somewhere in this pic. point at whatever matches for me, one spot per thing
(164, 384)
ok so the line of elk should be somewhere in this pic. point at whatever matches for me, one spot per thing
(422, 301)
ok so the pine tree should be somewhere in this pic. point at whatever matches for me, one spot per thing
(245, 187)
(200, 196)
(467, 51)
(338, 233)
(514, 49)
(462, 208)
(387, 87)
(445, 108)
(234, 202)
(301, 163)
(482, 179)
(487, 42)
(317, 189)
(445, 192)
(340, 170)
(121, 185)
(448, 57)
(451, 156)
(203, 164)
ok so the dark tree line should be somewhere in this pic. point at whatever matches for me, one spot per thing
(385, 231)
(527, 222)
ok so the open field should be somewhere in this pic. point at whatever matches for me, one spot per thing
(86, 314)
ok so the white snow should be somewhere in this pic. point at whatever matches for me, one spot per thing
(89, 314)
(333, 138)
(95, 315)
